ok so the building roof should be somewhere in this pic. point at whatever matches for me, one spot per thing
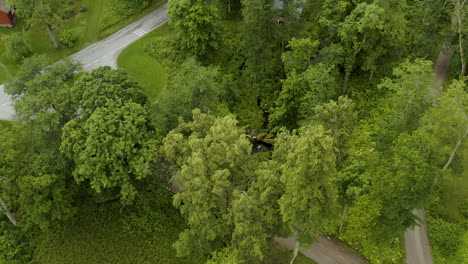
(5, 18)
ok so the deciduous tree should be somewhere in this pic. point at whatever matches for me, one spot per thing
(307, 171)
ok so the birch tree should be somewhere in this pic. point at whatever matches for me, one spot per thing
(307, 172)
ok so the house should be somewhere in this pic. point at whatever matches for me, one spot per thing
(7, 19)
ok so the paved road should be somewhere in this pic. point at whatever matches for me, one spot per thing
(325, 250)
(104, 52)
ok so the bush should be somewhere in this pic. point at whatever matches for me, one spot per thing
(67, 12)
(121, 9)
(67, 38)
(16, 46)
(464, 208)
(445, 237)
(83, 9)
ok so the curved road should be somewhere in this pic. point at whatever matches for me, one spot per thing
(104, 52)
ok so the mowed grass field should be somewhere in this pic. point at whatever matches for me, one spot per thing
(142, 67)
(88, 26)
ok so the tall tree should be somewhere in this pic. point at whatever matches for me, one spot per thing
(46, 13)
(256, 214)
(447, 122)
(211, 162)
(192, 86)
(371, 32)
(307, 171)
(409, 96)
(459, 14)
(302, 92)
(195, 22)
(111, 142)
(37, 173)
(340, 118)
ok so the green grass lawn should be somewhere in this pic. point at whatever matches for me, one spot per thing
(85, 24)
(112, 234)
(143, 68)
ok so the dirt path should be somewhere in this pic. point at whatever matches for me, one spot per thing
(441, 68)
(325, 250)
(418, 249)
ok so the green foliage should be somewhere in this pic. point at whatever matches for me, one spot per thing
(299, 58)
(301, 93)
(408, 99)
(110, 233)
(47, 13)
(371, 32)
(16, 47)
(446, 122)
(111, 143)
(67, 38)
(37, 173)
(14, 245)
(430, 25)
(340, 118)
(445, 237)
(463, 207)
(212, 163)
(360, 233)
(192, 86)
(307, 163)
(118, 10)
(195, 22)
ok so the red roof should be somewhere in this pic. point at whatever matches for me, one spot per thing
(6, 18)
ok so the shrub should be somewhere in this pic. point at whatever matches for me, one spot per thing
(16, 46)
(67, 38)
(67, 12)
(464, 208)
(83, 9)
(121, 9)
(445, 237)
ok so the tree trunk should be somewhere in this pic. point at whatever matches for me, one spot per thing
(349, 68)
(229, 7)
(295, 252)
(343, 218)
(452, 155)
(52, 36)
(459, 14)
(346, 80)
(7, 212)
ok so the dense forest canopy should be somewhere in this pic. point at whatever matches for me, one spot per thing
(278, 118)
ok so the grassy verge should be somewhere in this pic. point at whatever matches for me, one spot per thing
(143, 68)
(84, 24)
(108, 233)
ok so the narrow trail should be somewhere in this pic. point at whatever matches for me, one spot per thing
(325, 250)
(417, 246)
